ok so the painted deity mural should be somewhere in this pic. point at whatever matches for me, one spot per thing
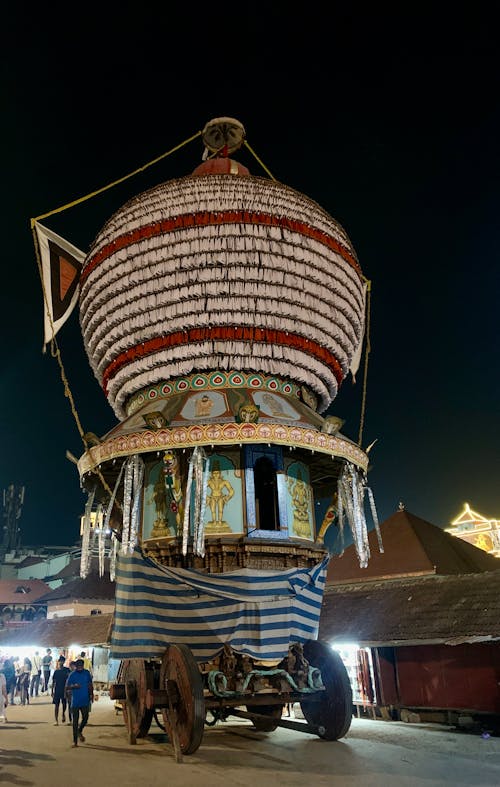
(299, 501)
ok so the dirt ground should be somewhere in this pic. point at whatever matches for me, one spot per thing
(35, 753)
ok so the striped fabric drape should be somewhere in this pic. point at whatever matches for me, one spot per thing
(257, 612)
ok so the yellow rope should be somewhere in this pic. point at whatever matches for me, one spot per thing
(254, 154)
(367, 353)
(115, 182)
(54, 347)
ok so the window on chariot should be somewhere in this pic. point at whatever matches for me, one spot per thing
(266, 495)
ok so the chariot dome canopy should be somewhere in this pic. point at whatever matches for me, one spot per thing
(221, 270)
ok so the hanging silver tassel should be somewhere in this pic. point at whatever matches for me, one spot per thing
(87, 526)
(113, 550)
(198, 489)
(375, 519)
(351, 492)
(127, 503)
(187, 507)
(340, 514)
(137, 484)
(200, 529)
(101, 538)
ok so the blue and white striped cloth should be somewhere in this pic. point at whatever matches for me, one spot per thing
(257, 612)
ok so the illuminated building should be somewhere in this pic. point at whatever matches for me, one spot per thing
(477, 530)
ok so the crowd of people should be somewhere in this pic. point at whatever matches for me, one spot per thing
(68, 682)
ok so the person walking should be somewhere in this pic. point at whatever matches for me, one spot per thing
(59, 678)
(4, 697)
(72, 668)
(46, 669)
(36, 673)
(80, 685)
(24, 681)
(9, 671)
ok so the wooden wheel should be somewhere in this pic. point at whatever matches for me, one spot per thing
(333, 709)
(138, 676)
(185, 717)
(273, 711)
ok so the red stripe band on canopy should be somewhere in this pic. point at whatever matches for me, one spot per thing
(207, 218)
(222, 333)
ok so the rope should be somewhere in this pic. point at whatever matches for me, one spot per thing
(54, 347)
(115, 182)
(367, 353)
(254, 154)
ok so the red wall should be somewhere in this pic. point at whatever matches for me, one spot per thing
(462, 677)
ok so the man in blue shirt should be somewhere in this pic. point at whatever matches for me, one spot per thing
(79, 685)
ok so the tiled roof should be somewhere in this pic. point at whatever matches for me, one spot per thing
(35, 591)
(92, 587)
(412, 546)
(59, 632)
(72, 569)
(416, 610)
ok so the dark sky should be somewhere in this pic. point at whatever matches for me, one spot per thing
(391, 123)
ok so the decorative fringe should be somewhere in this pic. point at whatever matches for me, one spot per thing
(87, 527)
(191, 257)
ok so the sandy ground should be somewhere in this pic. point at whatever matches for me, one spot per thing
(373, 754)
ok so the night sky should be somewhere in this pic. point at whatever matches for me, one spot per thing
(390, 123)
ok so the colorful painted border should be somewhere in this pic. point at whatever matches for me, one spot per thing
(220, 435)
(210, 382)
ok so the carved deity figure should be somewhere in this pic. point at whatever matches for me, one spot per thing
(167, 496)
(160, 500)
(220, 492)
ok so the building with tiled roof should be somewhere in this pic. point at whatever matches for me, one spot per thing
(22, 599)
(479, 531)
(60, 633)
(419, 628)
(93, 595)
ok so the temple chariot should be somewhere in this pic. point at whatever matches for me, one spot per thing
(220, 313)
